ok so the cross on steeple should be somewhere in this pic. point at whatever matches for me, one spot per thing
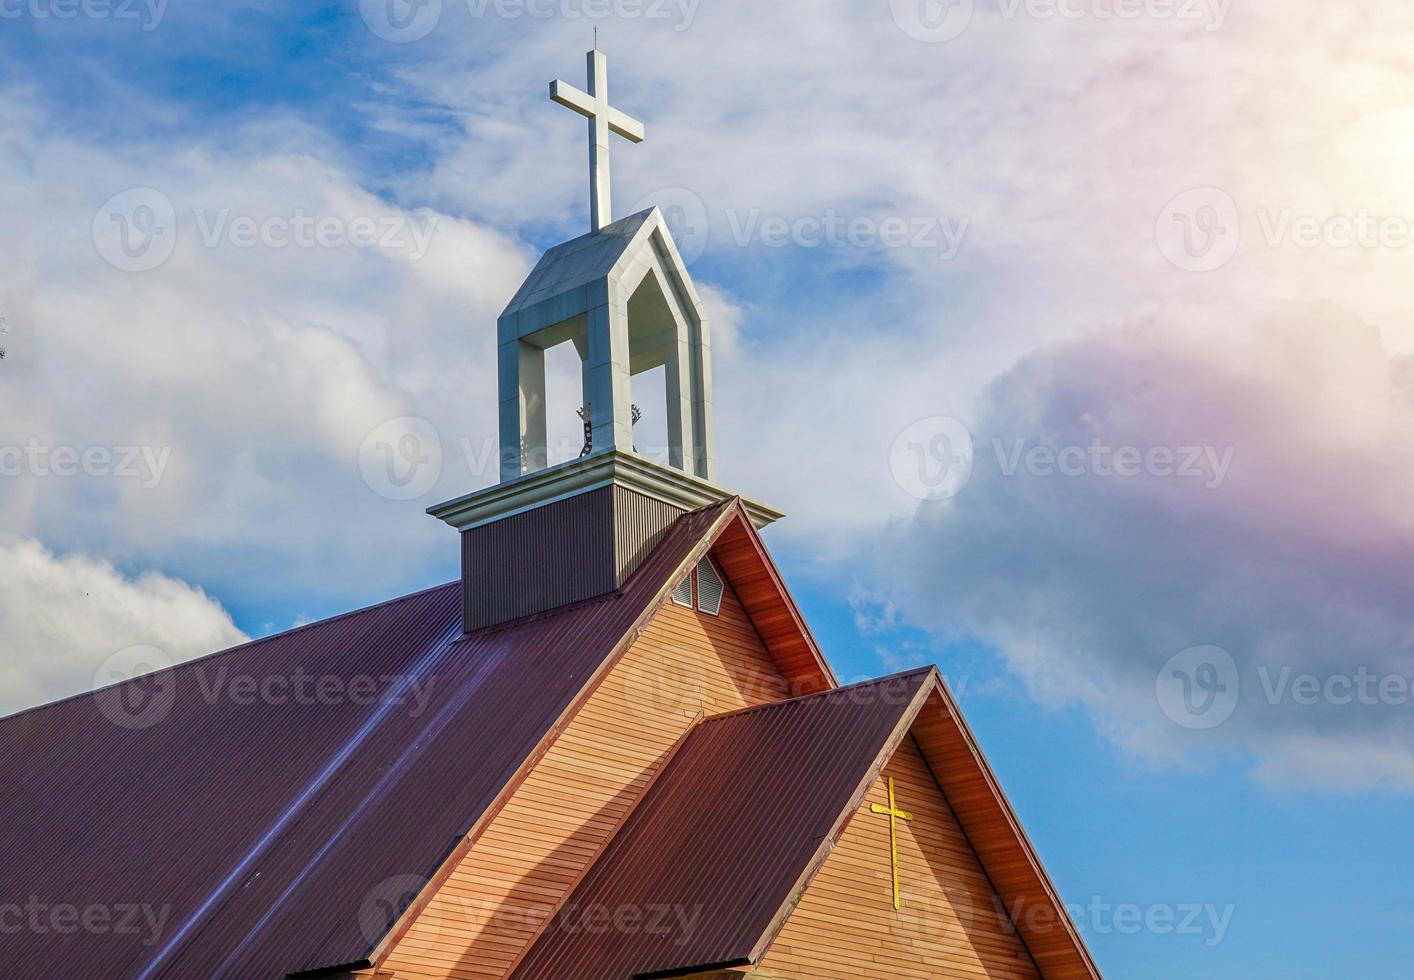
(603, 119)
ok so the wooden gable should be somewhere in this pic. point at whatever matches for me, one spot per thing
(951, 922)
(684, 665)
(975, 900)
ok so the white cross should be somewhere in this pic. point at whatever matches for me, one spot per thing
(603, 118)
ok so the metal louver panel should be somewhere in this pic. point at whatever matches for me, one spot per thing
(682, 595)
(709, 588)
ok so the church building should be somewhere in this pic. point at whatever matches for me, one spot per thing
(611, 750)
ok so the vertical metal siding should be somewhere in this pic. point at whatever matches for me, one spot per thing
(640, 523)
(573, 549)
(542, 559)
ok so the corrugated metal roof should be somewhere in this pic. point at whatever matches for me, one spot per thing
(251, 835)
(703, 866)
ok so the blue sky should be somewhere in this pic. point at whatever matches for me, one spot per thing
(1071, 153)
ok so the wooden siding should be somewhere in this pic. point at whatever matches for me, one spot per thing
(951, 924)
(684, 665)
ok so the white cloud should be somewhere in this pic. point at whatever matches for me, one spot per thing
(62, 617)
(254, 367)
(1088, 582)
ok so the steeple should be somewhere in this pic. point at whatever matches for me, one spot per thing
(622, 296)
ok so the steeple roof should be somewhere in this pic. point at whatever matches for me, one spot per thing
(579, 261)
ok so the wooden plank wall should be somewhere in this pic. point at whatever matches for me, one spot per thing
(950, 924)
(557, 822)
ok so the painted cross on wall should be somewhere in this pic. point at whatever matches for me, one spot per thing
(894, 814)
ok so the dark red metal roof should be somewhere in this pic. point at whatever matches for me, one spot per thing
(266, 834)
(704, 866)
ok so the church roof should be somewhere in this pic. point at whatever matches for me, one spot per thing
(285, 832)
(264, 830)
(725, 841)
(728, 833)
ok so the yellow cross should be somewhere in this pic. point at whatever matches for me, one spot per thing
(894, 813)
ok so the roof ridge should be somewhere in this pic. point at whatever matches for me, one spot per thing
(230, 649)
(787, 702)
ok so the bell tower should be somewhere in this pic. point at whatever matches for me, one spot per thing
(549, 535)
(623, 297)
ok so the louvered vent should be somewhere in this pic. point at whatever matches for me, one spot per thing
(682, 595)
(709, 588)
